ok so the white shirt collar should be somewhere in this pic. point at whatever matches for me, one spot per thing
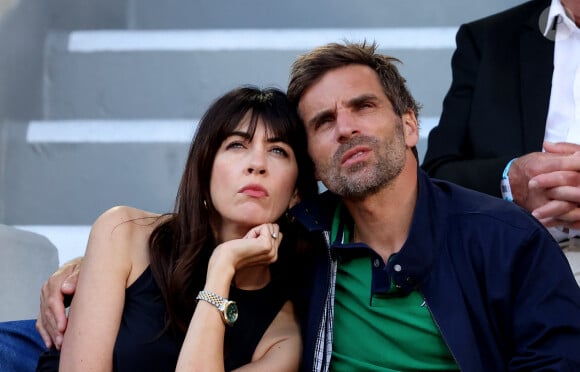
(557, 17)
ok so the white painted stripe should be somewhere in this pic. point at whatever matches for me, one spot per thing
(256, 39)
(131, 131)
(71, 240)
(111, 131)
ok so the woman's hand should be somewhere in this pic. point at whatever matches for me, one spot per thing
(259, 247)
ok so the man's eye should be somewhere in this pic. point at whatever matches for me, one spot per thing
(322, 122)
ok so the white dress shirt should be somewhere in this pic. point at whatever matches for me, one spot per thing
(563, 123)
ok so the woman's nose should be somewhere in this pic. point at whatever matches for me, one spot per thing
(257, 163)
(256, 170)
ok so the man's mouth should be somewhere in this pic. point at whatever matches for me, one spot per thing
(355, 155)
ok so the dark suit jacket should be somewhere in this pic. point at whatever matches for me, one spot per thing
(497, 105)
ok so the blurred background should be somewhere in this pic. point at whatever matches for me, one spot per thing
(99, 98)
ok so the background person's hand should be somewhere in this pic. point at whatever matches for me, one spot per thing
(563, 190)
(52, 320)
(563, 148)
(532, 195)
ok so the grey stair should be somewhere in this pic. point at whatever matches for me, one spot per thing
(72, 183)
(182, 83)
(186, 14)
(66, 183)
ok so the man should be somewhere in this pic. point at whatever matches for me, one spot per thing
(515, 85)
(419, 274)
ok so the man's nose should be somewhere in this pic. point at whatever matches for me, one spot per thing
(346, 126)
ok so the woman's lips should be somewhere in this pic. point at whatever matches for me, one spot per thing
(255, 191)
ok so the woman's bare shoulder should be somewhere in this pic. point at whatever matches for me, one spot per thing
(128, 220)
(124, 226)
(121, 234)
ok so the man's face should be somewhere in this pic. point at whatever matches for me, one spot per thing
(357, 142)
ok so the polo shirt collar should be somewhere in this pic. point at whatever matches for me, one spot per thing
(419, 250)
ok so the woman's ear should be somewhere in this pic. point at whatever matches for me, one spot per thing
(295, 199)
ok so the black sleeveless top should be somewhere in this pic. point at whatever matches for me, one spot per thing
(141, 347)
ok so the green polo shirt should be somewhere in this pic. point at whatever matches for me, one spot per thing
(382, 331)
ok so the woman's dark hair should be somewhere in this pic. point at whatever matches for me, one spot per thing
(180, 248)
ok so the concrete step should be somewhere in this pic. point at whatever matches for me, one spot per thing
(176, 74)
(185, 14)
(68, 173)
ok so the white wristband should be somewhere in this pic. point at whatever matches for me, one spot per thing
(506, 191)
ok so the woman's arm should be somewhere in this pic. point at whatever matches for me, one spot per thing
(280, 348)
(115, 252)
(203, 348)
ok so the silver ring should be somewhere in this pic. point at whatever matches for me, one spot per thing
(274, 235)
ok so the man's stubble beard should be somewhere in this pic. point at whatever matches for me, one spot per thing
(365, 178)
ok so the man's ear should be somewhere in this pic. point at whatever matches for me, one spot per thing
(410, 128)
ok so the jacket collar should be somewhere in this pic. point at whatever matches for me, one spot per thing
(419, 250)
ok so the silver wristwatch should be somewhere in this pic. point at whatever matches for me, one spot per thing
(227, 308)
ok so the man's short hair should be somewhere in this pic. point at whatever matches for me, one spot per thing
(309, 68)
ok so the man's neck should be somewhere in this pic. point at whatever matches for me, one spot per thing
(383, 220)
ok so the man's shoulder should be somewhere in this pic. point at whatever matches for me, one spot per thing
(477, 221)
(466, 205)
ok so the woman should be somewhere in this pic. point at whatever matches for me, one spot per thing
(135, 307)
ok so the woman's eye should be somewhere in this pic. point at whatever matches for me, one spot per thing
(234, 145)
(280, 151)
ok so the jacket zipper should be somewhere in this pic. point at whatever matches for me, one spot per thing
(324, 366)
(440, 330)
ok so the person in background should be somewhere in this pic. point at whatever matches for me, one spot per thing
(510, 121)
(208, 286)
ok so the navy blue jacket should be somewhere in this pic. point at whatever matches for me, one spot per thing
(497, 284)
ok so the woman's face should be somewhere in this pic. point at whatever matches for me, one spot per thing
(252, 182)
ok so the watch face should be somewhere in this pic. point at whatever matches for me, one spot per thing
(231, 312)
